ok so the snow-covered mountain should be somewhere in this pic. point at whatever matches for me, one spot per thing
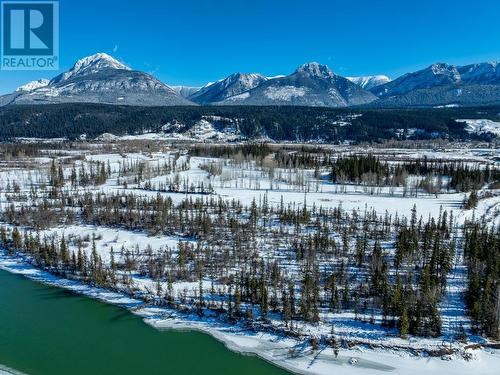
(33, 85)
(102, 79)
(482, 73)
(312, 84)
(443, 84)
(435, 75)
(369, 82)
(235, 84)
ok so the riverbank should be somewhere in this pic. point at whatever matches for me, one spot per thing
(48, 330)
(273, 348)
(7, 371)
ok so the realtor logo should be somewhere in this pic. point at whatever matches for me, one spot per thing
(30, 35)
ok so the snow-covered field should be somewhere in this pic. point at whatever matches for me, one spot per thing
(380, 349)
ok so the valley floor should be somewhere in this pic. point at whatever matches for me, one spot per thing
(367, 347)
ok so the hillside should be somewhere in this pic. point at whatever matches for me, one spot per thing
(299, 124)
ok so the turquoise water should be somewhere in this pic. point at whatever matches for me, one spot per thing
(46, 330)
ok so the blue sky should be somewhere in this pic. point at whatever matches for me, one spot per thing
(192, 42)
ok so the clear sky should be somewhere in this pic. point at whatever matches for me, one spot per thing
(192, 42)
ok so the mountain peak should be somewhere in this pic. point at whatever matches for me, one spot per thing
(315, 69)
(232, 85)
(247, 79)
(100, 58)
(236, 75)
(91, 64)
(444, 69)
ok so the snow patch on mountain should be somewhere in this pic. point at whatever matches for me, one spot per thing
(236, 98)
(284, 93)
(481, 126)
(369, 82)
(48, 91)
(335, 95)
(33, 85)
(185, 91)
(276, 76)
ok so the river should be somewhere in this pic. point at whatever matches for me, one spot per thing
(46, 330)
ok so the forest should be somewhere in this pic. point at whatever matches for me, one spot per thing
(295, 262)
(299, 124)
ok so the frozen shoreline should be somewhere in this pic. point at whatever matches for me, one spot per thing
(8, 371)
(272, 348)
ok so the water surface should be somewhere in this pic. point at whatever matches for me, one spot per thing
(46, 330)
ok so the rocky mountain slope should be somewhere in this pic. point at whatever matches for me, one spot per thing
(312, 84)
(101, 79)
(443, 84)
(33, 85)
(233, 85)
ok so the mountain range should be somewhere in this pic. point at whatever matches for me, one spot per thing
(443, 84)
(102, 79)
(311, 84)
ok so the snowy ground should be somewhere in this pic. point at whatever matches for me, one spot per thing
(246, 183)
(482, 126)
